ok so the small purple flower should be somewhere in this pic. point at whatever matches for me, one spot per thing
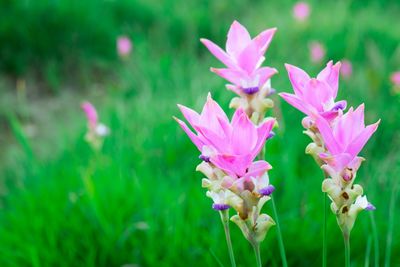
(370, 206)
(339, 106)
(204, 158)
(267, 191)
(250, 90)
(271, 92)
(220, 206)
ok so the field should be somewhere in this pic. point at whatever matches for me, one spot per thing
(139, 201)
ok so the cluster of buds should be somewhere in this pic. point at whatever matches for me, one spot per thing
(337, 138)
(248, 79)
(228, 152)
(96, 131)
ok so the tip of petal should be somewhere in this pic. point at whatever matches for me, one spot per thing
(288, 66)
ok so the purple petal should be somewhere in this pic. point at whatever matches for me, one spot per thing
(251, 90)
(220, 206)
(370, 206)
(267, 191)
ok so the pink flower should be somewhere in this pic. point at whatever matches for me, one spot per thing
(395, 78)
(317, 52)
(91, 114)
(230, 146)
(314, 96)
(301, 11)
(347, 68)
(243, 58)
(124, 46)
(344, 138)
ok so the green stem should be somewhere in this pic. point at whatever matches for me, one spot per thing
(389, 236)
(280, 239)
(368, 252)
(376, 240)
(346, 238)
(225, 222)
(324, 246)
(256, 247)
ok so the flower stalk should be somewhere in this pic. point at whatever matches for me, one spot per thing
(225, 222)
(279, 233)
(346, 238)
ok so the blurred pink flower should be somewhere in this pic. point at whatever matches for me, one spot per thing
(301, 11)
(317, 51)
(395, 78)
(91, 114)
(345, 138)
(124, 46)
(243, 58)
(230, 146)
(347, 68)
(315, 96)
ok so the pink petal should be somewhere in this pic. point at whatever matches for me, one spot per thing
(317, 93)
(219, 53)
(238, 39)
(231, 75)
(232, 164)
(330, 74)
(358, 119)
(244, 135)
(250, 57)
(337, 162)
(296, 102)
(258, 168)
(190, 115)
(194, 138)
(216, 139)
(327, 135)
(264, 39)
(298, 78)
(265, 73)
(263, 131)
(210, 113)
(357, 144)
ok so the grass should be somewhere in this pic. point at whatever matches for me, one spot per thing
(139, 200)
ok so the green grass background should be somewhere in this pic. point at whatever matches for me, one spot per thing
(139, 201)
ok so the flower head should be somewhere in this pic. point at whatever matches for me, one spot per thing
(344, 138)
(347, 68)
(91, 114)
(317, 52)
(231, 146)
(395, 78)
(301, 11)
(96, 131)
(315, 96)
(124, 46)
(243, 58)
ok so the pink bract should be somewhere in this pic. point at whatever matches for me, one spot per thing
(315, 96)
(243, 57)
(230, 145)
(345, 137)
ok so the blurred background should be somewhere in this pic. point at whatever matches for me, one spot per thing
(138, 201)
